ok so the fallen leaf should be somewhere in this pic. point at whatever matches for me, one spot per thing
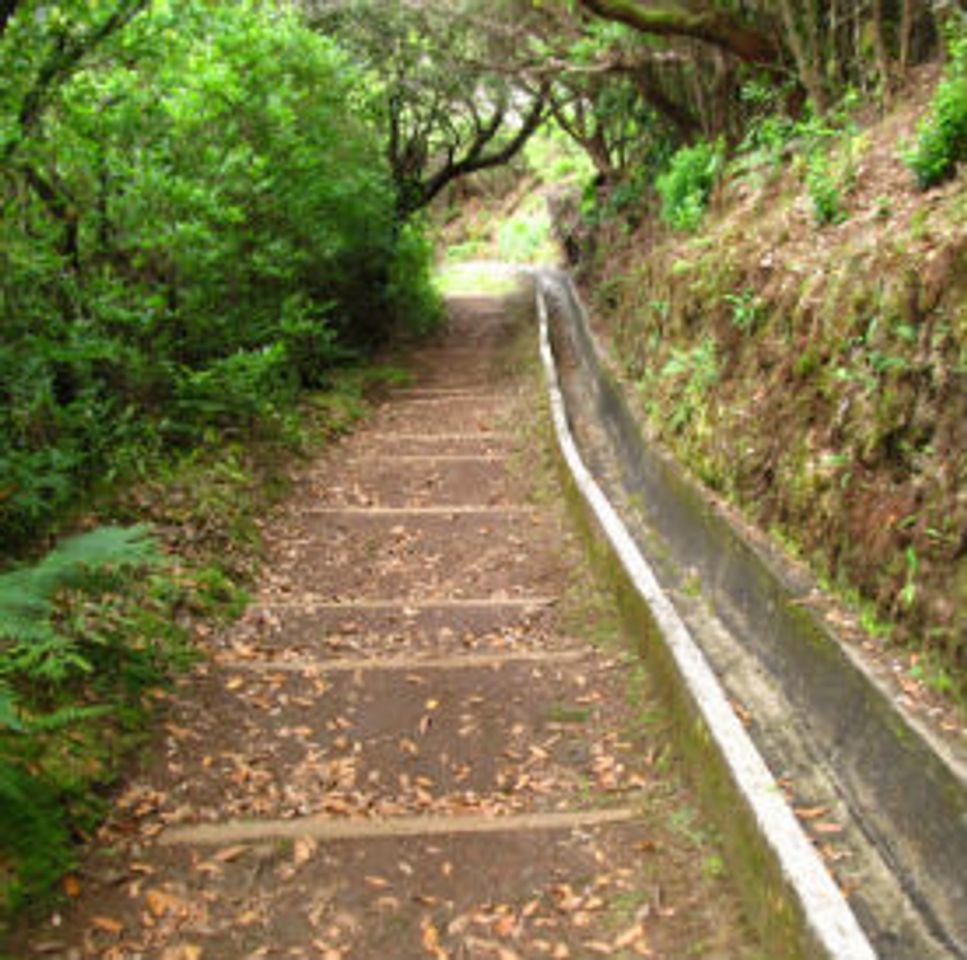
(160, 903)
(633, 935)
(430, 938)
(183, 951)
(304, 849)
(228, 854)
(828, 828)
(108, 925)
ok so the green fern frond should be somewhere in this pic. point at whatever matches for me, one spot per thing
(26, 594)
(106, 548)
(64, 717)
(9, 716)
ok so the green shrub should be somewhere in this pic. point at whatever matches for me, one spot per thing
(942, 134)
(240, 390)
(695, 372)
(686, 185)
(236, 237)
(412, 289)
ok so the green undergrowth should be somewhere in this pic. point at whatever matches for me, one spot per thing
(94, 630)
(941, 141)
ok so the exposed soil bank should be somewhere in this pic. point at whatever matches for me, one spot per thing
(817, 377)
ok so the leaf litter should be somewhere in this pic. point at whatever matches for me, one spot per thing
(252, 744)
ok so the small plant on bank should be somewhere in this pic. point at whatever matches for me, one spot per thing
(746, 309)
(697, 372)
(686, 185)
(942, 135)
(824, 190)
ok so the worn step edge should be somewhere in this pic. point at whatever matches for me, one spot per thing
(404, 605)
(457, 661)
(817, 922)
(906, 786)
(322, 828)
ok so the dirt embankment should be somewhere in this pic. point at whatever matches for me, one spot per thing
(817, 377)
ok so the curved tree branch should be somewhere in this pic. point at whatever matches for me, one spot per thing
(715, 26)
(416, 196)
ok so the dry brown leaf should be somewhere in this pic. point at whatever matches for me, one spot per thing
(159, 903)
(430, 939)
(504, 926)
(108, 925)
(228, 854)
(327, 952)
(303, 850)
(828, 828)
(633, 935)
(183, 951)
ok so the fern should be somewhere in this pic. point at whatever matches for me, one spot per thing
(28, 592)
(9, 715)
(31, 646)
(61, 644)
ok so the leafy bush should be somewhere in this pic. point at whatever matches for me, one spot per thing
(412, 289)
(201, 225)
(942, 134)
(695, 372)
(686, 185)
(526, 236)
(240, 390)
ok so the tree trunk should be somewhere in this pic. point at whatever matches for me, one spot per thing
(7, 9)
(806, 63)
(907, 20)
(684, 121)
(882, 55)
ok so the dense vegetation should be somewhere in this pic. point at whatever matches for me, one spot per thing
(198, 225)
(198, 222)
(816, 375)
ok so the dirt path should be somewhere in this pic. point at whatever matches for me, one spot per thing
(410, 747)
